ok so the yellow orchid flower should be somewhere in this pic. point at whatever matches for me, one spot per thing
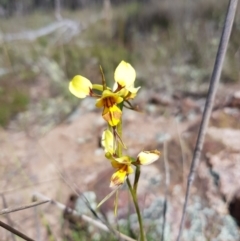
(80, 86)
(108, 142)
(119, 176)
(147, 157)
(111, 113)
(125, 76)
(123, 166)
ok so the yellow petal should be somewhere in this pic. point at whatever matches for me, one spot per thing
(107, 141)
(133, 90)
(108, 99)
(80, 86)
(132, 95)
(129, 92)
(124, 160)
(125, 74)
(112, 115)
(118, 178)
(109, 94)
(130, 170)
(147, 157)
(116, 164)
(99, 103)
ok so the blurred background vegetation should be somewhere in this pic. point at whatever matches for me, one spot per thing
(170, 43)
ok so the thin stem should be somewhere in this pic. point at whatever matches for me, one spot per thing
(137, 175)
(135, 201)
(119, 131)
(15, 209)
(15, 231)
(209, 102)
(132, 191)
(9, 220)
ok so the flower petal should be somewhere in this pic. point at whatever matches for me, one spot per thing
(119, 176)
(80, 86)
(125, 74)
(116, 164)
(99, 103)
(107, 141)
(108, 99)
(147, 157)
(112, 115)
(129, 92)
(124, 160)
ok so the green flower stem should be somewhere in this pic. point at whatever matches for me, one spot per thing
(133, 190)
(119, 131)
(136, 179)
(135, 201)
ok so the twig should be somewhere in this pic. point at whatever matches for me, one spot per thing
(167, 181)
(15, 209)
(9, 220)
(209, 102)
(15, 231)
(84, 217)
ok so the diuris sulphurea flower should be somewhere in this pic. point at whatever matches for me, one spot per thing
(123, 90)
(111, 113)
(123, 166)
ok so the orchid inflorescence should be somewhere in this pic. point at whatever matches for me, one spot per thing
(113, 100)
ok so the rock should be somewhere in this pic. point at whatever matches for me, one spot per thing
(227, 165)
(229, 137)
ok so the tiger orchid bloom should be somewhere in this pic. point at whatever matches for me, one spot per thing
(111, 113)
(123, 90)
(123, 166)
